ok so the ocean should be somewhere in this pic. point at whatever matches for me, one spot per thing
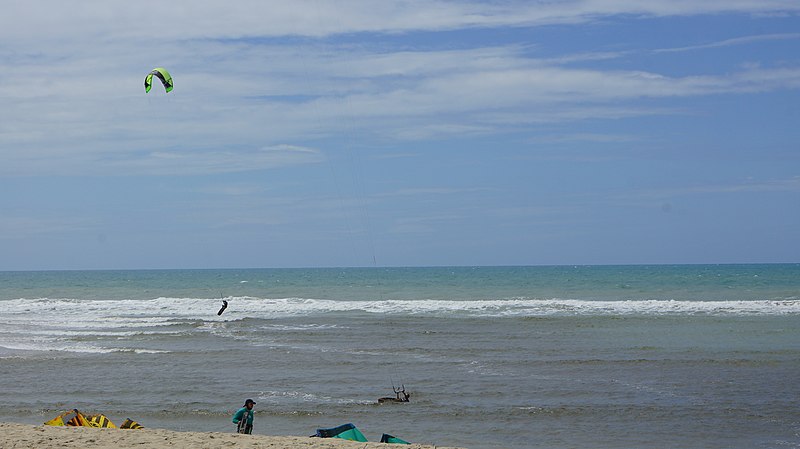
(659, 356)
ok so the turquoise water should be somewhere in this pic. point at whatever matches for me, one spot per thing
(494, 357)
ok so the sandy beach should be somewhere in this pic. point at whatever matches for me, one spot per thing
(15, 436)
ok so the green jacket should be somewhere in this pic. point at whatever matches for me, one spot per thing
(240, 414)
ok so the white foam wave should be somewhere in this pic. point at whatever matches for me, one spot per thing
(38, 344)
(74, 325)
(295, 397)
(159, 312)
(519, 307)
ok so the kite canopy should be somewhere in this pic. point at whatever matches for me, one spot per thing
(386, 438)
(345, 432)
(163, 75)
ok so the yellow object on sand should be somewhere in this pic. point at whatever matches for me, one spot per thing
(77, 420)
(99, 420)
(131, 424)
(58, 420)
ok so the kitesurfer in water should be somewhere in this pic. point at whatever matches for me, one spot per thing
(243, 418)
(224, 306)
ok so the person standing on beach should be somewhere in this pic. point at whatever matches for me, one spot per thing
(243, 418)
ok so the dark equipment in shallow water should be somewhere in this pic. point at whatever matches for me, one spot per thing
(397, 392)
(224, 306)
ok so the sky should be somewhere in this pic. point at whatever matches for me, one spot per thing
(398, 133)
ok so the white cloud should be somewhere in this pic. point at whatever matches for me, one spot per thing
(427, 191)
(776, 185)
(217, 119)
(75, 103)
(733, 42)
(17, 227)
(103, 20)
(190, 162)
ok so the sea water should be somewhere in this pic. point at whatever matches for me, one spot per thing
(698, 356)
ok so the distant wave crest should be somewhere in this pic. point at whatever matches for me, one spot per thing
(146, 327)
(162, 311)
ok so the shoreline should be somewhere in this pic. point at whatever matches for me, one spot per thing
(27, 436)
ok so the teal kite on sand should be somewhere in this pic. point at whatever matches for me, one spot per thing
(351, 432)
(345, 432)
(386, 438)
(162, 74)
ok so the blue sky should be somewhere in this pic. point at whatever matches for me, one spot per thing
(405, 133)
